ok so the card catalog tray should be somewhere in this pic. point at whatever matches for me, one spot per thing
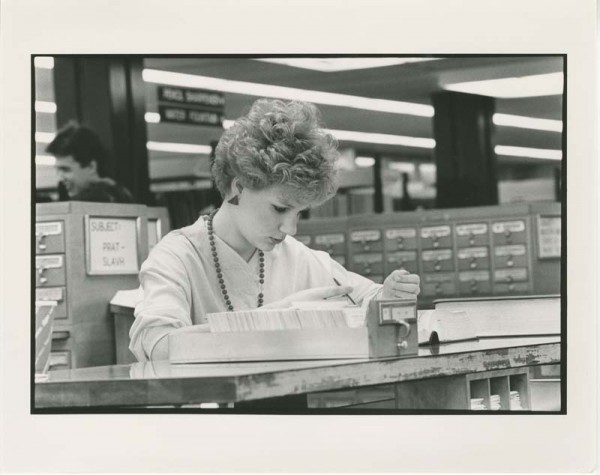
(306, 344)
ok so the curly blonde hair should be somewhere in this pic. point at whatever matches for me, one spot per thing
(279, 143)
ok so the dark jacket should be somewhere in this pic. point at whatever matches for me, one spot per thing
(105, 190)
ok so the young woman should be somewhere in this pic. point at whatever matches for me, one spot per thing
(271, 165)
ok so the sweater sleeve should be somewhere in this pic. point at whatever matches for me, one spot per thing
(166, 303)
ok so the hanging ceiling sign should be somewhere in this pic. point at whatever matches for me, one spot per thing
(191, 106)
(196, 97)
(183, 115)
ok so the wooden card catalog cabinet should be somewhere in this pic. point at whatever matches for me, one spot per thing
(510, 256)
(438, 260)
(475, 234)
(366, 241)
(473, 258)
(333, 244)
(399, 239)
(474, 282)
(53, 294)
(511, 280)
(509, 232)
(112, 246)
(49, 237)
(468, 251)
(401, 260)
(85, 253)
(369, 265)
(433, 237)
(50, 270)
(436, 285)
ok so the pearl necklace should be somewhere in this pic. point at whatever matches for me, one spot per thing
(213, 250)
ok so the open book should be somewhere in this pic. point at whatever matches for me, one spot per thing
(509, 316)
(443, 326)
(300, 315)
(491, 318)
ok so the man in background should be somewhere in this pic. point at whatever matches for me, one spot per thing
(80, 157)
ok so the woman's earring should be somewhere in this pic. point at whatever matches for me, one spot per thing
(234, 201)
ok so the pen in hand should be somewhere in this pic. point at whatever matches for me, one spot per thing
(345, 295)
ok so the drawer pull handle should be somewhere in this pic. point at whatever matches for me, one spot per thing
(41, 240)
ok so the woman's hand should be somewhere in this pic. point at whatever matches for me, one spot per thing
(401, 284)
(318, 293)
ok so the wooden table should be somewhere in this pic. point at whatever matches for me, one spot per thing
(162, 383)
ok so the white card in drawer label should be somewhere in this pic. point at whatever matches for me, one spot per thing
(363, 236)
(402, 256)
(468, 229)
(516, 250)
(431, 278)
(472, 253)
(435, 232)
(329, 239)
(509, 226)
(48, 229)
(470, 276)
(440, 255)
(51, 293)
(48, 262)
(404, 233)
(510, 274)
(368, 258)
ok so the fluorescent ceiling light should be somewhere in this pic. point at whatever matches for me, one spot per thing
(506, 88)
(528, 152)
(179, 148)
(385, 139)
(341, 64)
(289, 93)
(427, 168)
(45, 160)
(403, 167)
(528, 122)
(44, 62)
(364, 161)
(44, 137)
(43, 106)
(152, 117)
